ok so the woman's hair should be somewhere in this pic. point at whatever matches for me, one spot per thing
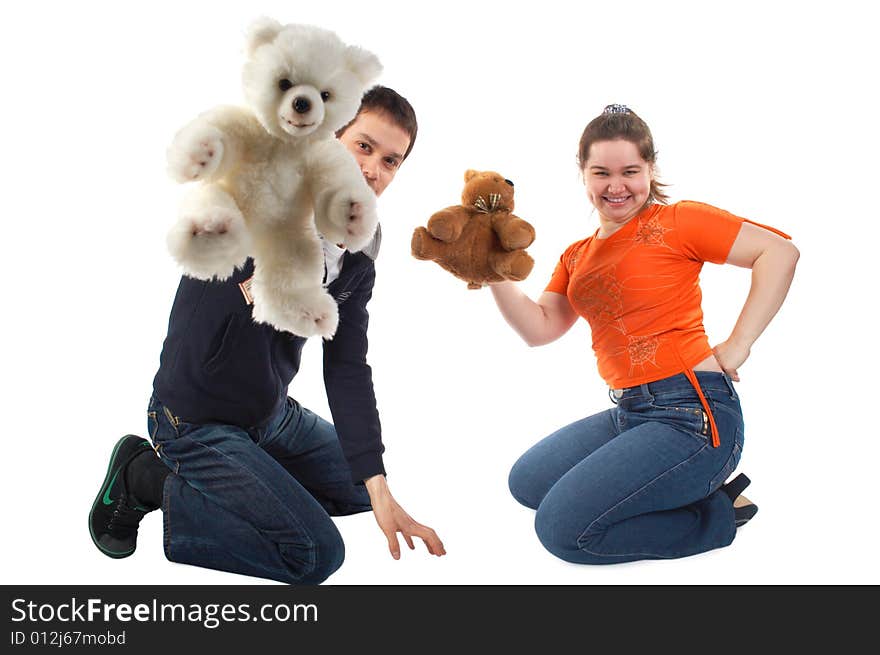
(620, 122)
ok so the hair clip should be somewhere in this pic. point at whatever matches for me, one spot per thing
(617, 109)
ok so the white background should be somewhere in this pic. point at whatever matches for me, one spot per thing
(764, 109)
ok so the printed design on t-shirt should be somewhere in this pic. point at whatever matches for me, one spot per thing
(651, 232)
(642, 350)
(600, 296)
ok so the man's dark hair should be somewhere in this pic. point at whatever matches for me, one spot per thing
(382, 100)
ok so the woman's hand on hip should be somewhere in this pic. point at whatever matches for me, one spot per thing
(731, 355)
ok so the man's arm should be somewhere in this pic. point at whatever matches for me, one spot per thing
(349, 383)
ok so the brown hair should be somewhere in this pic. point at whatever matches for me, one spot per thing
(620, 122)
(382, 100)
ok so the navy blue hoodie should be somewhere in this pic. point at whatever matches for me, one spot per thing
(219, 366)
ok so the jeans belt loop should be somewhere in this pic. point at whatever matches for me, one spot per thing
(730, 387)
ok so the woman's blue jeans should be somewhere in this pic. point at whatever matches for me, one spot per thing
(639, 481)
(255, 502)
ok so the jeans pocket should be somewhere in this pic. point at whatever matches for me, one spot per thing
(691, 419)
(731, 463)
(683, 407)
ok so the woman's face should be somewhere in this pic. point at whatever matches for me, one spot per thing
(617, 179)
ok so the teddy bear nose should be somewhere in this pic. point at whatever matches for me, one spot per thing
(509, 182)
(302, 105)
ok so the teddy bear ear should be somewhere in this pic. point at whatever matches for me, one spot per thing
(470, 174)
(364, 64)
(261, 31)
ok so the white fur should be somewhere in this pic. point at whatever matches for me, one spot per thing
(210, 239)
(271, 178)
(263, 30)
(197, 153)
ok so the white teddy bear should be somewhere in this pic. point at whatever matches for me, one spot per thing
(273, 178)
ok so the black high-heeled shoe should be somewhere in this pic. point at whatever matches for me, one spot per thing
(734, 489)
(744, 514)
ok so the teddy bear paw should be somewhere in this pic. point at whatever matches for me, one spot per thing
(518, 236)
(350, 221)
(515, 265)
(195, 153)
(444, 228)
(420, 243)
(305, 313)
(211, 243)
(362, 221)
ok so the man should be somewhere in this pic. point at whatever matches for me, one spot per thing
(248, 489)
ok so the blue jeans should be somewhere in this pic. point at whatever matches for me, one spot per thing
(639, 481)
(256, 502)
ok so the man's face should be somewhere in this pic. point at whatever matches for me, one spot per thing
(377, 144)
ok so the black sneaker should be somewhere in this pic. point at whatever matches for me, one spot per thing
(115, 514)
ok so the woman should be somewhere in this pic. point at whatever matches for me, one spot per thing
(644, 480)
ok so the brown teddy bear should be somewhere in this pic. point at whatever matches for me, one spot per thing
(479, 241)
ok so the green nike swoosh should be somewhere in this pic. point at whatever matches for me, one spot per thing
(107, 500)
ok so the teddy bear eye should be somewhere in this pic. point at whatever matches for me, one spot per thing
(325, 95)
(285, 84)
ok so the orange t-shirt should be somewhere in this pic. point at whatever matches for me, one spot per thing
(639, 289)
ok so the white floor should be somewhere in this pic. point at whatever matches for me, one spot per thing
(750, 115)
